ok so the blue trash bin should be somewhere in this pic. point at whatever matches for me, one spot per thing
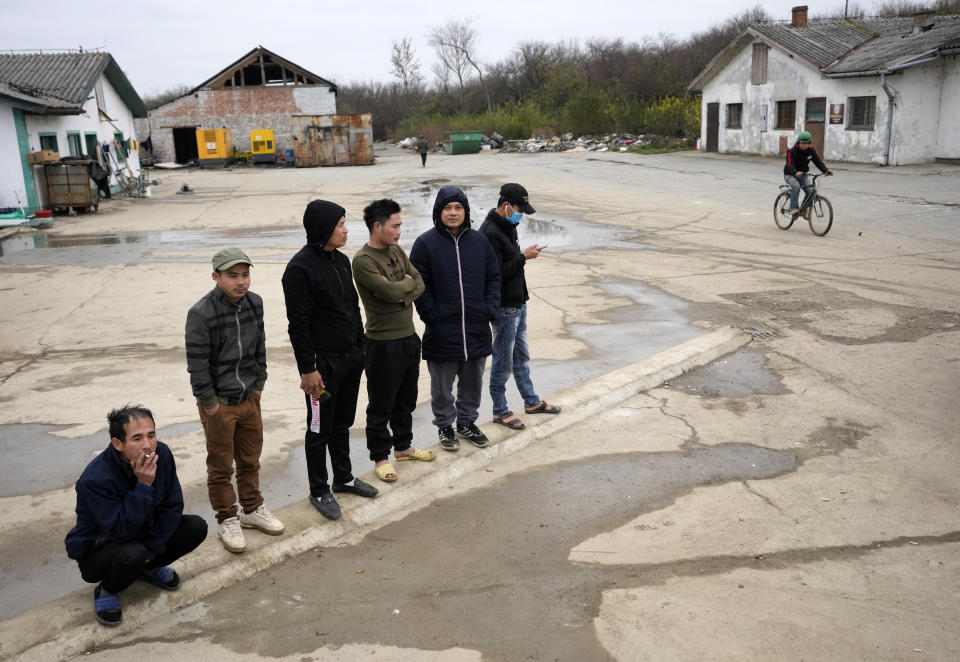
(289, 155)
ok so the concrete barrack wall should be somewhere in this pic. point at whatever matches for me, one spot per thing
(241, 110)
(925, 114)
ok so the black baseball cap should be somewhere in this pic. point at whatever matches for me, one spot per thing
(516, 195)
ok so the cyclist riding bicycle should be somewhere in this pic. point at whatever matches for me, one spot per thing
(796, 170)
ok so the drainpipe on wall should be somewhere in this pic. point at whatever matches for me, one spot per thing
(891, 97)
(891, 93)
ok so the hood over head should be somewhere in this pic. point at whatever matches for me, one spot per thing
(445, 196)
(319, 219)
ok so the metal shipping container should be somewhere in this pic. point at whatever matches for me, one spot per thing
(329, 140)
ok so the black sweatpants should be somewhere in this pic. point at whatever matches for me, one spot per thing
(118, 564)
(393, 368)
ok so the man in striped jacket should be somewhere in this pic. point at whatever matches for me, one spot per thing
(227, 362)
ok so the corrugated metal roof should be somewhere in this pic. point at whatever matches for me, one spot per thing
(899, 46)
(822, 42)
(55, 80)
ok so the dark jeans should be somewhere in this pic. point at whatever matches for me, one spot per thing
(118, 564)
(393, 367)
(328, 422)
(423, 159)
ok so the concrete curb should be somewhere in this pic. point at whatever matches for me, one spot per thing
(65, 626)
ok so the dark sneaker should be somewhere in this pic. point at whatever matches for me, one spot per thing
(106, 607)
(359, 488)
(448, 440)
(327, 505)
(472, 433)
(165, 577)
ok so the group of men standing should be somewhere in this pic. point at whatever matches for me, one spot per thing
(462, 282)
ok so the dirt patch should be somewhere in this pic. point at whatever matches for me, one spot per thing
(845, 318)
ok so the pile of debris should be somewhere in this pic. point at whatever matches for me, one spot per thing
(566, 143)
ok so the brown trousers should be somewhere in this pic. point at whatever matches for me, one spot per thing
(234, 435)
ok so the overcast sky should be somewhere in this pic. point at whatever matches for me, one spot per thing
(164, 43)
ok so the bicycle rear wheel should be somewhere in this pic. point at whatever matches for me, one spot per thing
(821, 216)
(781, 211)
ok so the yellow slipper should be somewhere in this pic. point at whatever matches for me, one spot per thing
(386, 472)
(417, 454)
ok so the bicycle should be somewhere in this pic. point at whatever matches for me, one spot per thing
(816, 209)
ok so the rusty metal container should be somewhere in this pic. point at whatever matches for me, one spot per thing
(332, 140)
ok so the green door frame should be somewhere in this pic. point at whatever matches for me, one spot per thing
(23, 142)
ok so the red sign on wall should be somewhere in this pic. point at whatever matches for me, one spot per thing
(836, 113)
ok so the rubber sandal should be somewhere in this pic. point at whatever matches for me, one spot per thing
(384, 471)
(418, 454)
(164, 577)
(543, 408)
(513, 424)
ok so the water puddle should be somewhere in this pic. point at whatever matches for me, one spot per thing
(504, 550)
(36, 460)
(557, 232)
(738, 375)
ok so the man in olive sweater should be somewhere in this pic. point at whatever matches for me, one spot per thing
(388, 285)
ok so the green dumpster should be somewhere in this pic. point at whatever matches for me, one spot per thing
(462, 142)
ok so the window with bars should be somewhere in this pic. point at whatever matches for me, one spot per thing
(734, 115)
(49, 141)
(786, 115)
(861, 114)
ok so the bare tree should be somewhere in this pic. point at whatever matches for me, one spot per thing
(159, 98)
(455, 44)
(405, 66)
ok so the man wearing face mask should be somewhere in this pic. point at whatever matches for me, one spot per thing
(326, 331)
(511, 353)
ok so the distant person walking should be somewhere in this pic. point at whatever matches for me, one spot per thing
(511, 353)
(227, 362)
(326, 331)
(422, 150)
(461, 297)
(388, 285)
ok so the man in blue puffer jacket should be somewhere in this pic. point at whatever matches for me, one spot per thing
(461, 278)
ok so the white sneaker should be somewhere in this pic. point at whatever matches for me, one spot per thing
(261, 519)
(231, 535)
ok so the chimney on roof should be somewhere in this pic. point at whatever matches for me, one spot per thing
(799, 17)
(923, 20)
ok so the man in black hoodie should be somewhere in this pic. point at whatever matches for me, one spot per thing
(461, 295)
(326, 331)
(511, 353)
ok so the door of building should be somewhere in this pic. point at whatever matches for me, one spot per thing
(185, 144)
(814, 121)
(713, 127)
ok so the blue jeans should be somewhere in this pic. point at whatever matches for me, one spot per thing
(795, 185)
(511, 354)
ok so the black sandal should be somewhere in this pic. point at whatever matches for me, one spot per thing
(515, 424)
(543, 408)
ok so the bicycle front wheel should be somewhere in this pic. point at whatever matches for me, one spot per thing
(821, 216)
(781, 211)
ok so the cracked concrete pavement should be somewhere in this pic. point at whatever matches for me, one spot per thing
(641, 532)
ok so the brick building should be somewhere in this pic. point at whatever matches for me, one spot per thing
(261, 90)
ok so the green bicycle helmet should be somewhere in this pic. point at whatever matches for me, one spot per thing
(805, 137)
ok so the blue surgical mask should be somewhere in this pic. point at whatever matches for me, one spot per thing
(515, 217)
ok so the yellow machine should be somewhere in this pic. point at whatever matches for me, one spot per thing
(214, 146)
(262, 146)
